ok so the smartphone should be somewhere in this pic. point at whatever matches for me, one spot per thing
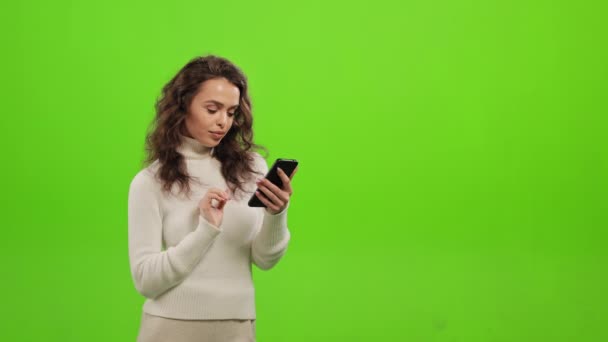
(287, 165)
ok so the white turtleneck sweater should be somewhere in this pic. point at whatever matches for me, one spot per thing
(186, 267)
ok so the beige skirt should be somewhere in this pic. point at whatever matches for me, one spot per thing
(161, 329)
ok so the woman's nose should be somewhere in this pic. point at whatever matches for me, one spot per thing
(223, 119)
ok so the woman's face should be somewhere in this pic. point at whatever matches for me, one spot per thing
(212, 110)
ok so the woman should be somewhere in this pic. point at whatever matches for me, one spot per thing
(192, 236)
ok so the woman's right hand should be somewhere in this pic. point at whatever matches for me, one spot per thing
(211, 213)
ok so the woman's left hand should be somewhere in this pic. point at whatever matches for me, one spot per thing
(276, 198)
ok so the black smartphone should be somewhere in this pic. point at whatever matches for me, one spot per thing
(287, 165)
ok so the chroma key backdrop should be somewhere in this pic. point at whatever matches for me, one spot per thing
(453, 155)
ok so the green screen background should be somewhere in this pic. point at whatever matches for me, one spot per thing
(452, 182)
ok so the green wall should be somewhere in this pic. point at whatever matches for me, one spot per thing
(452, 182)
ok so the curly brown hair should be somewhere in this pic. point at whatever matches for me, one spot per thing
(169, 123)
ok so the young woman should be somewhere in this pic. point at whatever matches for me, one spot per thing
(192, 236)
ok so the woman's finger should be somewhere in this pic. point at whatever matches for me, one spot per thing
(282, 194)
(286, 180)
(266, 201)
(271, 196)
(220, 192)
(284, 177)
(221, 205)
(293, 173)
(216, 197)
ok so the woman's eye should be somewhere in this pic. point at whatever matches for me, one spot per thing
(213, 112)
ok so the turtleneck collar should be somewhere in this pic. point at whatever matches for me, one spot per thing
(191, 148)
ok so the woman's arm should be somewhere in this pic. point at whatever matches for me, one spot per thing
(272, 235)
(271, 240)
(155, 271)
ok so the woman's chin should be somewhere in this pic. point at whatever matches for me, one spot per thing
(214, 141)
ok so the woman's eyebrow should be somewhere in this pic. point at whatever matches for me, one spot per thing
(221, 104)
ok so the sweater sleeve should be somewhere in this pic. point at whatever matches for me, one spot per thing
(155, 271)
(272, 234)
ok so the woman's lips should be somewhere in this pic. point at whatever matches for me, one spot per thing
(217, 135)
